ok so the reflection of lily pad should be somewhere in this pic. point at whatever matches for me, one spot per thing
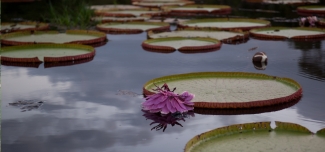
(71, 36)
(21, 64)
(257, 137)
(231, 89)
(310, 10)
(225, 23)
(129, 12)
(284, 32)
(46, 53)
(182, 44)
(23, 26)
(162, 3)
(199, 9)
(223, 36)
(133, 27)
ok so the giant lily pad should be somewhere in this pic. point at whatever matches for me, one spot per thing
(71, 36)
(199, 9)
(129, 12)
(230, 89)
(162, 3)
(223, 36)
(310, 10)
(289, 2)
(284, 33)
(105, 19)
(133, 27)
(46, 53)
(182, 44)
(255, 137)
(23, 26)
(225, 23)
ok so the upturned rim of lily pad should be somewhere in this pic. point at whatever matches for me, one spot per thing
(230, 40)
(42, 26)
(308, 10)
(87, 48)
(220, 9)
(167, 3)
(163, 27)
(255, 34)
(101, 37)
(246, 111)
(266, 23)
(248, 127)
(221, 105)
(184, 49)
(113, 13)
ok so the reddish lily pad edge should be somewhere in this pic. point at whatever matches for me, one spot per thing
(247, 127)
(156, 6)
(264, 36)
(251, 104)
(146, 44)
(50, 59)
(305, 10)
(101, 37)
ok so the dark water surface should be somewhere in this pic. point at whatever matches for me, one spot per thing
(83, 113)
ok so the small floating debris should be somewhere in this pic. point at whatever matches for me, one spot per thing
(252, 49)
(223, 36)
(133, 27)
(23, 26)
(182, 44)
(199, 9)
(49, 37)
(46, 53)
(27, 105)
(285, 33)
(230, 89)
(130, 12)
(257, 137)
(225, 24)
(158, 4)
(311, 10)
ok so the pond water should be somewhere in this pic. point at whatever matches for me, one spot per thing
(84, 109)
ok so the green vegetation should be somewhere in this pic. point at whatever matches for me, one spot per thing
(70, 14)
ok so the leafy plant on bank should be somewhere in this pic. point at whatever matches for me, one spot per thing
(70, 14)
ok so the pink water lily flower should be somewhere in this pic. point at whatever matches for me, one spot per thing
(166, 101)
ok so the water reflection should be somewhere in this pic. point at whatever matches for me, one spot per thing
(21, 64)
(260, 65)
(162, 121)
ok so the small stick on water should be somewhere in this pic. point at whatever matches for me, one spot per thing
(254, 48)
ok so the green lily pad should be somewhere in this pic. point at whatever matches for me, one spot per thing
(71, 36)
(162, 3)
(256, 137)
(310, 10)
(198, 9)
(225, 23)
(182, 44)
(104, 19)
(285, 32)
(230, 89)
(223, 36)
(46, 53)
(133, 27)
(129, 12)
(23, 26)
